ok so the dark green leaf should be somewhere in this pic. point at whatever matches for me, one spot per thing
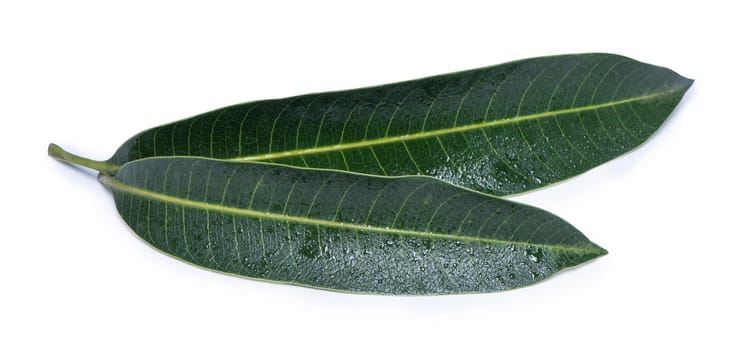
(501, 130)
(342, 231)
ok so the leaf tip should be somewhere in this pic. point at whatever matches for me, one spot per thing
(680, 83)
(601, 251)
(686, 83)
(596, 251)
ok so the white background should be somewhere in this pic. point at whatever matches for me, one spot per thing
(89, 74)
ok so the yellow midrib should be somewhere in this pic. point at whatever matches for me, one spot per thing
(123, 187)
(445, 131)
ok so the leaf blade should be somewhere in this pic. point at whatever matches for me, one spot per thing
(313, 227)
(501, 130)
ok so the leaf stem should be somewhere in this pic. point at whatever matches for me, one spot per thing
(59, 153)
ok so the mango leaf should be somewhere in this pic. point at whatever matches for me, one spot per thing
(501, 130)
(341, 231)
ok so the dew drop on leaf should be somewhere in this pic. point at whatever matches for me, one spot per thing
(534, 254)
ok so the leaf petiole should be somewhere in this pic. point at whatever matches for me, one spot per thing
(59, 153)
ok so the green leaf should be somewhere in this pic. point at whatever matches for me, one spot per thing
(501, 130)
(342, 231)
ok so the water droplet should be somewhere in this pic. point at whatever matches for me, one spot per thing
(534, 254)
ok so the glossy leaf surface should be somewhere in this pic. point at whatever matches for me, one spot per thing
(501, 130)
(342, 231)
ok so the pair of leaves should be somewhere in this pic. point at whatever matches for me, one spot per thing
(201, 188)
